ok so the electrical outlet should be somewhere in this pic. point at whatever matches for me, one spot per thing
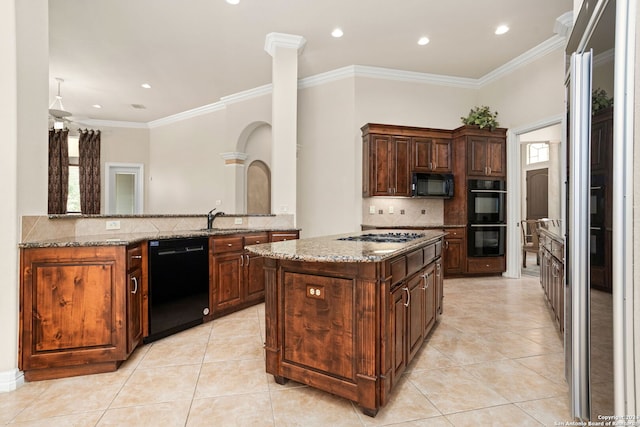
(113, 225)
(390, 209)
(218, 202)
(372, 209)
(237, 221)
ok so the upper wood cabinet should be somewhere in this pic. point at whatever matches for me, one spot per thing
(601, 140)
(391, 153)
(431, 155)
(486, 156)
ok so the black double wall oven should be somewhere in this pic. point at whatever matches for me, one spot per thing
(487, 219)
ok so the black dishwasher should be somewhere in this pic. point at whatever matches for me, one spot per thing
(178, 285)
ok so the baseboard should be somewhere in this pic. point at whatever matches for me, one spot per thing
(11, 380)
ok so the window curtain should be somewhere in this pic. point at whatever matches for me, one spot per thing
(58, 171)
(89, 162)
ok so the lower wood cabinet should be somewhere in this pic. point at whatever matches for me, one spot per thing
(236, 276)
(74, 306)
(136, 294)
(552, 274)
(455, 251)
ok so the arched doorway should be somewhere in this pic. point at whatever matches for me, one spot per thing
(258, 188)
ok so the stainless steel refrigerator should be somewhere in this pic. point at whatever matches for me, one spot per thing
(597, 254)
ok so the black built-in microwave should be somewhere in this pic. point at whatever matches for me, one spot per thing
(432, 185)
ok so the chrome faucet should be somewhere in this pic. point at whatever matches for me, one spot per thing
(211, 216)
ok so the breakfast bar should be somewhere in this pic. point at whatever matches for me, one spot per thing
(347, 313)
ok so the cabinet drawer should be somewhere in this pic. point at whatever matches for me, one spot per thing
(415, 261)
(256, 239)
(134, 257)
(398, 269)
(430, 253)
(227, 244)
(281, 236)
(485, 265)
(454, 233)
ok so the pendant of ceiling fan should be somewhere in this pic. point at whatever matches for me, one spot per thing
(56, 109)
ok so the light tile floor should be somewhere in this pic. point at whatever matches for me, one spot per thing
(495, 359)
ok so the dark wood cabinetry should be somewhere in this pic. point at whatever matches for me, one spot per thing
(350, 328)
(74, 306)
(431, 155)
(237, 276)
(136, 294)
(486, 156)
(455, 251)
(391, 153)
(552, 274)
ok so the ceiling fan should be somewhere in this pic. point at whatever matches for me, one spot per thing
(58, 115)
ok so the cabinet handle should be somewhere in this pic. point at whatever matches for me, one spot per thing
(136, 256)
(406, 304)
(248, 260)
(135, 285)
(438, 267)
(241, 260)
(425, 284)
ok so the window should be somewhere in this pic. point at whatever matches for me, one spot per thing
(73, 199)
(537, 152)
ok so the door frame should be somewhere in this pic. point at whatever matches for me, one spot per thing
(111, 169)
(514, 195)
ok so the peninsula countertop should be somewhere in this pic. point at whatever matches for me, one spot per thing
(331, 249)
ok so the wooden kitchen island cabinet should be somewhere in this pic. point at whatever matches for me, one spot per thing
(74, 304)
(349, 325)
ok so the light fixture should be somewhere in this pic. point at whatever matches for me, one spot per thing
(56, 109)
(146, 85)
(97, 106)
(234, 2)
(337, 33)
(501, 29)
(423, 41)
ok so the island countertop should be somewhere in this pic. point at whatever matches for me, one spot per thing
(331, 249)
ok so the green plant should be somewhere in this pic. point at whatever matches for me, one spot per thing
(600, 100)
(482, 117)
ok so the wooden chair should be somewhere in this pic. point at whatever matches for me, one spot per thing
(530, 239)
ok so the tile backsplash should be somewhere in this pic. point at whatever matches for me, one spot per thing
(402, 212)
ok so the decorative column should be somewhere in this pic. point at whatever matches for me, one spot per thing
(236, 162)
(284, 49)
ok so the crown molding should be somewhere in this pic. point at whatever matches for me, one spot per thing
(563, 24)
(550, 45)
(194, 112)
(111, 123)
(289, 41)
(247, 94)
(604, 58)
(351, 71)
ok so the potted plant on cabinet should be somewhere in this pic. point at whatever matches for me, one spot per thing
(482, 117)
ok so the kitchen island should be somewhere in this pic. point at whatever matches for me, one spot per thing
(346, 314)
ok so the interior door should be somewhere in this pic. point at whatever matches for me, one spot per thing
(537, 193)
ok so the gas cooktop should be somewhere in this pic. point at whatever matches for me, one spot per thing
(384, 237)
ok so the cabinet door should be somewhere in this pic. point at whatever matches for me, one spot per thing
(439, 282)
(600, 145)
(400, 166)
(415, 313)
(254, 277)
(398, 315)
(476, 155)
(381, 180)
(227, 280)
(496, 157)
(441, 155)
(73, 307)
(422, 148)
(429, 286)
(134, 309)
(454, 259)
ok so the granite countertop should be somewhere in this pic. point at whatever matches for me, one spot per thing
(330, 249)
(115, 239)
(413, 227)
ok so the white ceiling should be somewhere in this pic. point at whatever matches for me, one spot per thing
(193, 52)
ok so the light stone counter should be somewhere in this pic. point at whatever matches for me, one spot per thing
(330, 249)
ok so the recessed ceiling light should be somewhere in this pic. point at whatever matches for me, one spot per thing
(97, 106)
(146, 85)
(337, 33)
(423, 40)
(233, 1)
(501, 29)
